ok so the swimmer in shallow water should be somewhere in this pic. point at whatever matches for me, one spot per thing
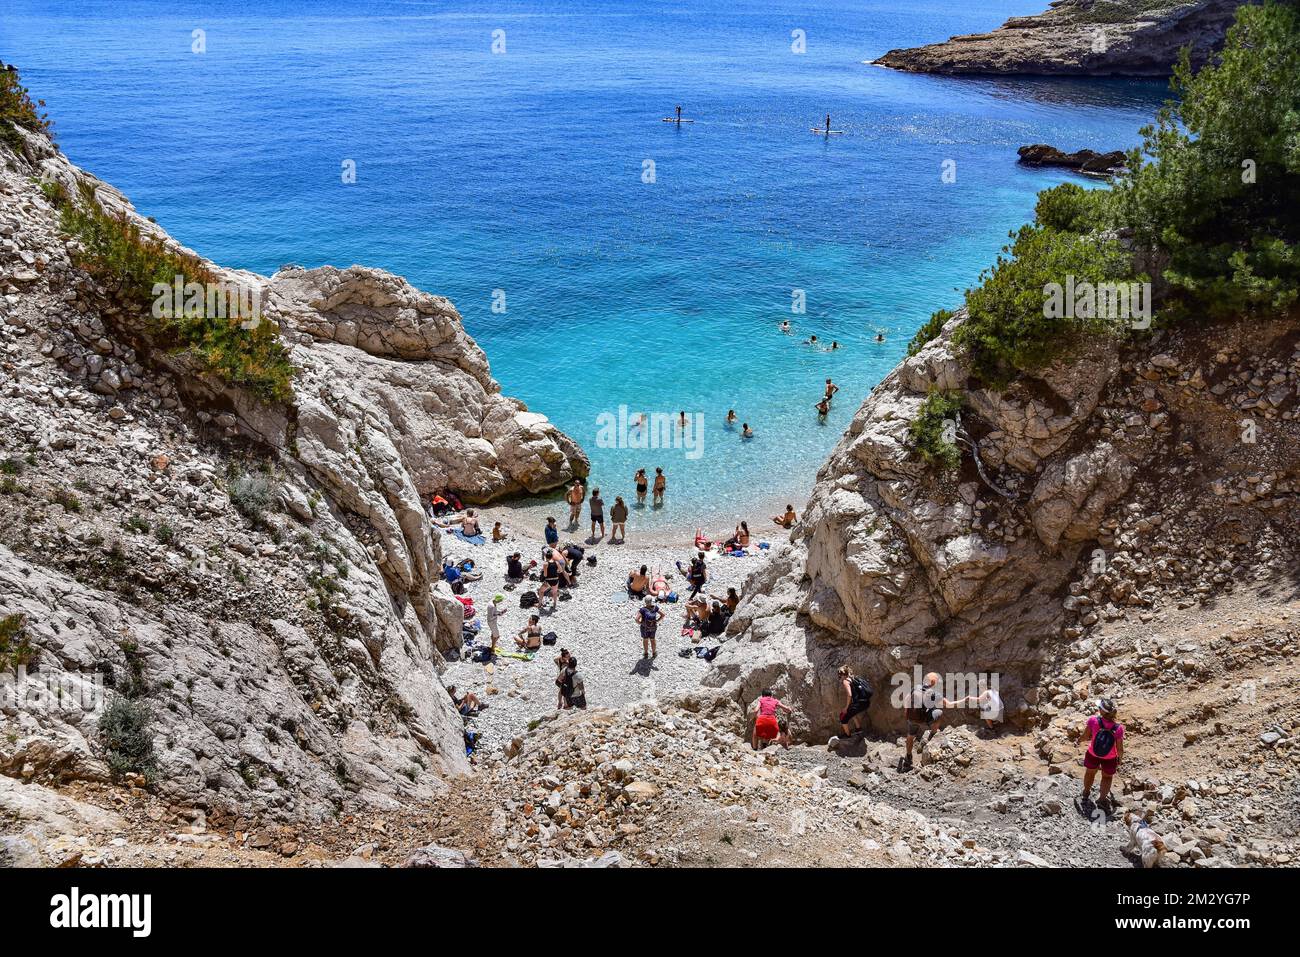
(880, 337)
(823, 408)
(810, 341)
(785, 326)
(731, 418)
(746, 432)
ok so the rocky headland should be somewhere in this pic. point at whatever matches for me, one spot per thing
(1081, 38)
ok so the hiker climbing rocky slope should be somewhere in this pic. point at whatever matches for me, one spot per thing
(1081, 37)
(1128, 479)
(252, 577)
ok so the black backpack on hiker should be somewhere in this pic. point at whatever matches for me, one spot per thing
(860, 690)
(1103, 742)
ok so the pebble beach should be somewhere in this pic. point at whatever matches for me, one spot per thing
(596, 624)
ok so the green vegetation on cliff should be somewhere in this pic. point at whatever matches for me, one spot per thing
(1211, 202)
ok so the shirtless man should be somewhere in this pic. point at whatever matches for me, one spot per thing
(575, 497)
(638, 582)
(831, 389)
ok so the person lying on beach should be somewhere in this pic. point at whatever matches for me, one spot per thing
(638, 582)
(702, 544)
(788, 519)
(530, 636)
(498, 533)
(659, 587)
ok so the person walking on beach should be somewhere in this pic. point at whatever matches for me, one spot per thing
(575, 497)
(1105, 738)
(648, 616)
(661, 484)
(597, 514)
(831, 389)
(767, 723)
(642, 483)
(618, 521)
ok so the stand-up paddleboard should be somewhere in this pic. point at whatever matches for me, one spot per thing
(673, 119)
(818, 129)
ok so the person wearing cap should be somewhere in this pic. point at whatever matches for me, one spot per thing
(1105, 750)
(495, 609)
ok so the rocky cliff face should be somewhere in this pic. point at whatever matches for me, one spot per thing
(1129, 479)
(1082, 38)
(259, 577)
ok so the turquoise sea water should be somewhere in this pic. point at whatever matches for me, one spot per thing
(523, 172)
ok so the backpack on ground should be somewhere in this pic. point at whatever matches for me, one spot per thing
(528, 599)
(550, 638)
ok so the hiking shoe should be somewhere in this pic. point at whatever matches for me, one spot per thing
(833, 743)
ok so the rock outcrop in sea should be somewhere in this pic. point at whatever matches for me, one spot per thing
(1081, 38)
(257, 580)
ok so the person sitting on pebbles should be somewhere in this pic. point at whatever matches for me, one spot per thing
(530, 636)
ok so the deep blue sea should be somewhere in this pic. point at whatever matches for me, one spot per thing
(524, 171)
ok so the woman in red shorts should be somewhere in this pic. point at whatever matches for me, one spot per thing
(767, 724)
(1105, 749)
